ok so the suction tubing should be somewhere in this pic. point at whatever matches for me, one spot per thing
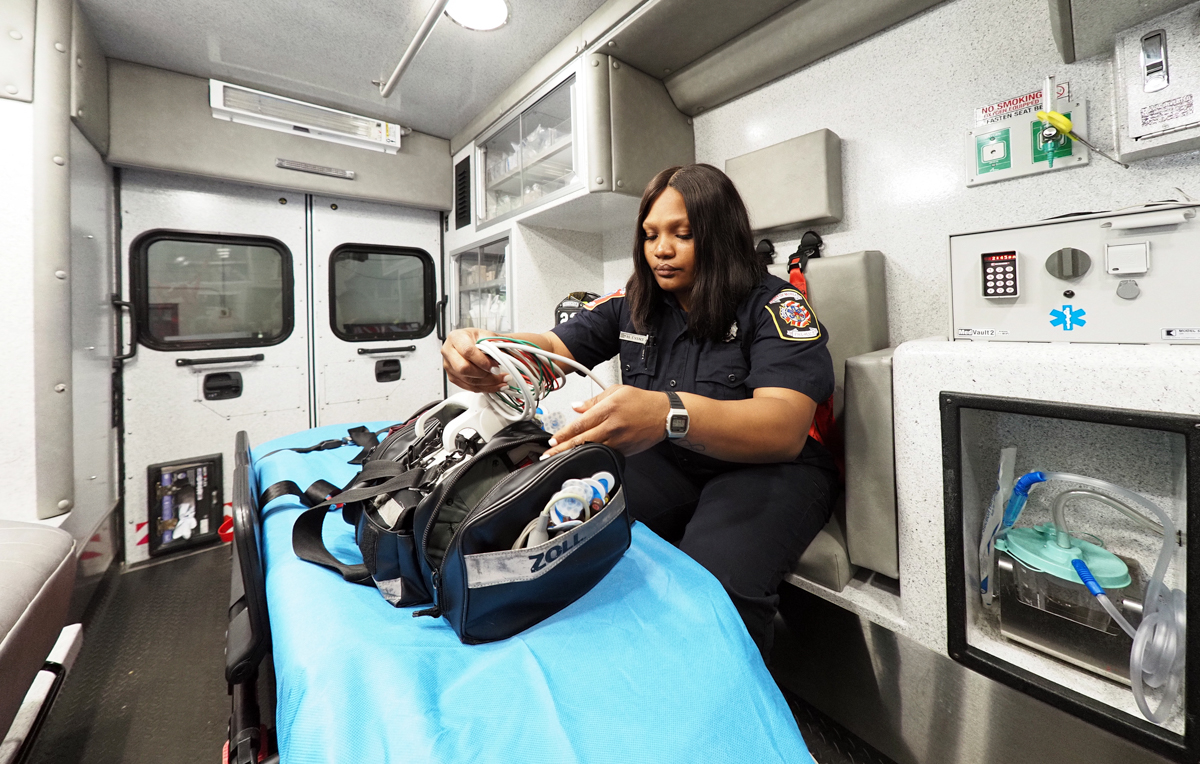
(1156, 659)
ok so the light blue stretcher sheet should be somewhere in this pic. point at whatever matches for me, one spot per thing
(651, 665)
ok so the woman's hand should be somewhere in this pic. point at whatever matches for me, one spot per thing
(468, 366)
(623, 417)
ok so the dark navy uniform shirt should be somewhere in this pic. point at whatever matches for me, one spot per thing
(775, 342)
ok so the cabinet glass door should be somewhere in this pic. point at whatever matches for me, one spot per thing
(532, 156)
(482, 288)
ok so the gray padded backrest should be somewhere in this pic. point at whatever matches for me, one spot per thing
(848, 294)
(871, 538)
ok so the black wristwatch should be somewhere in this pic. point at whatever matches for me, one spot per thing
(677, 418)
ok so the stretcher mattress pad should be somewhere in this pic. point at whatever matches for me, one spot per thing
(653, 664)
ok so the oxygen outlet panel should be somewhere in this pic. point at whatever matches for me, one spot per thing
(1105, 278)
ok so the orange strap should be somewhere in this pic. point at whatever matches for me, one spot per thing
(823, 428)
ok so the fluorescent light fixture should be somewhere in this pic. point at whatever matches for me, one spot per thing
(254, 107)
(478, 15)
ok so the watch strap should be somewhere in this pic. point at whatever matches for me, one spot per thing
(677, 412)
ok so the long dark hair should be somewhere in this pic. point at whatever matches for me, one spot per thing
(726, 268)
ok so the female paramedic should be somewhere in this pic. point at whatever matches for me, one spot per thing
(722, 368)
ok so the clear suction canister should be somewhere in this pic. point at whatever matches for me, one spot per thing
(1080, 581)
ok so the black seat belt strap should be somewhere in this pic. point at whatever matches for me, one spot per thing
(366, 440)
(407, 480)
(316, 493)
(308, 545)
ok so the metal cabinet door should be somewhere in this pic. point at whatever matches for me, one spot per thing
(375, 291)
(196, 290)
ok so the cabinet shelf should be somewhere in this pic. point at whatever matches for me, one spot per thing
(483, 285)
(545, 166)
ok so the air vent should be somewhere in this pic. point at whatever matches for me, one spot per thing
(253, 107)
(462, 193)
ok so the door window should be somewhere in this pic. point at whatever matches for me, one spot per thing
(196, 291)
(381, 293)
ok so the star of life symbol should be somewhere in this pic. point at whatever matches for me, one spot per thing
(1068, 318)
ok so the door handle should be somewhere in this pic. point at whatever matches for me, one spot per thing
(226, 359)
(387, 370)
(401, 349)
(222, 386)
(120, 305)
(441, 317)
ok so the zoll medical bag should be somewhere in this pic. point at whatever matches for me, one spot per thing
(440, 526)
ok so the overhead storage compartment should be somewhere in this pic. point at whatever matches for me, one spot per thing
(795, 37)
(578, 151)
(1086, 28)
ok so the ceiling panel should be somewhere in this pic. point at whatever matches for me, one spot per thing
(328, 51)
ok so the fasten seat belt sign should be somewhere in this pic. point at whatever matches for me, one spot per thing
(1017, 105)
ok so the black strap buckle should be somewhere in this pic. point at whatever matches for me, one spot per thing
(810, 247)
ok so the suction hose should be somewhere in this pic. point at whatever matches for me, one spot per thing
(1059, 512)
(1156, 659)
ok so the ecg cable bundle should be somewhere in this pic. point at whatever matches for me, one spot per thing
(534, 374)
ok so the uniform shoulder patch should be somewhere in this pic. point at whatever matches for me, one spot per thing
(794, 318)
(601, 300)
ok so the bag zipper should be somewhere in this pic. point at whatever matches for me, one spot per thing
(435, 574)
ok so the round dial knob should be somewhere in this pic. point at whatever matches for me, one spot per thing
(1068, 264)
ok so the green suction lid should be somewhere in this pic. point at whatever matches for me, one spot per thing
(1037, 548)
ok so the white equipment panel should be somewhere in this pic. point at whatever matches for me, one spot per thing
(1127, 277)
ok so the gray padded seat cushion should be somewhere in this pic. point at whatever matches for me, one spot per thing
(37, 574)
(825, 562)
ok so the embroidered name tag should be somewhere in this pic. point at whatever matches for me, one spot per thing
(631, 337)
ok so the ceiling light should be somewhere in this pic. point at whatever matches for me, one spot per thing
(478, 15)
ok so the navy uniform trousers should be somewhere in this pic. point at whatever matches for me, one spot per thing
(747, 524)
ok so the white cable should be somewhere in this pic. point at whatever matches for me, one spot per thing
(1058, 512)
(514, 366)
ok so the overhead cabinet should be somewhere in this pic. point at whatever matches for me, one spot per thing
(532, 156)
(599, 127)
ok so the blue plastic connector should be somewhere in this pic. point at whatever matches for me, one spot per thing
(1020, 494)
(1027, 481)
(1087, 578)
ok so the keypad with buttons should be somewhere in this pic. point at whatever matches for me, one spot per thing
(999, 271)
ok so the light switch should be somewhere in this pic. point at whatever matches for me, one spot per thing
(1127, 259)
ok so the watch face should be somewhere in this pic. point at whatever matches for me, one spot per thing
(678, 424)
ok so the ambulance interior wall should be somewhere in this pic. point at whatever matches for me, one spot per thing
(902, 102)
(546, 265)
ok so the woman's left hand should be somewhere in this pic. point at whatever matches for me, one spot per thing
(625, 418)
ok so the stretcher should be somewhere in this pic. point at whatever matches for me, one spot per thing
(653, 664)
